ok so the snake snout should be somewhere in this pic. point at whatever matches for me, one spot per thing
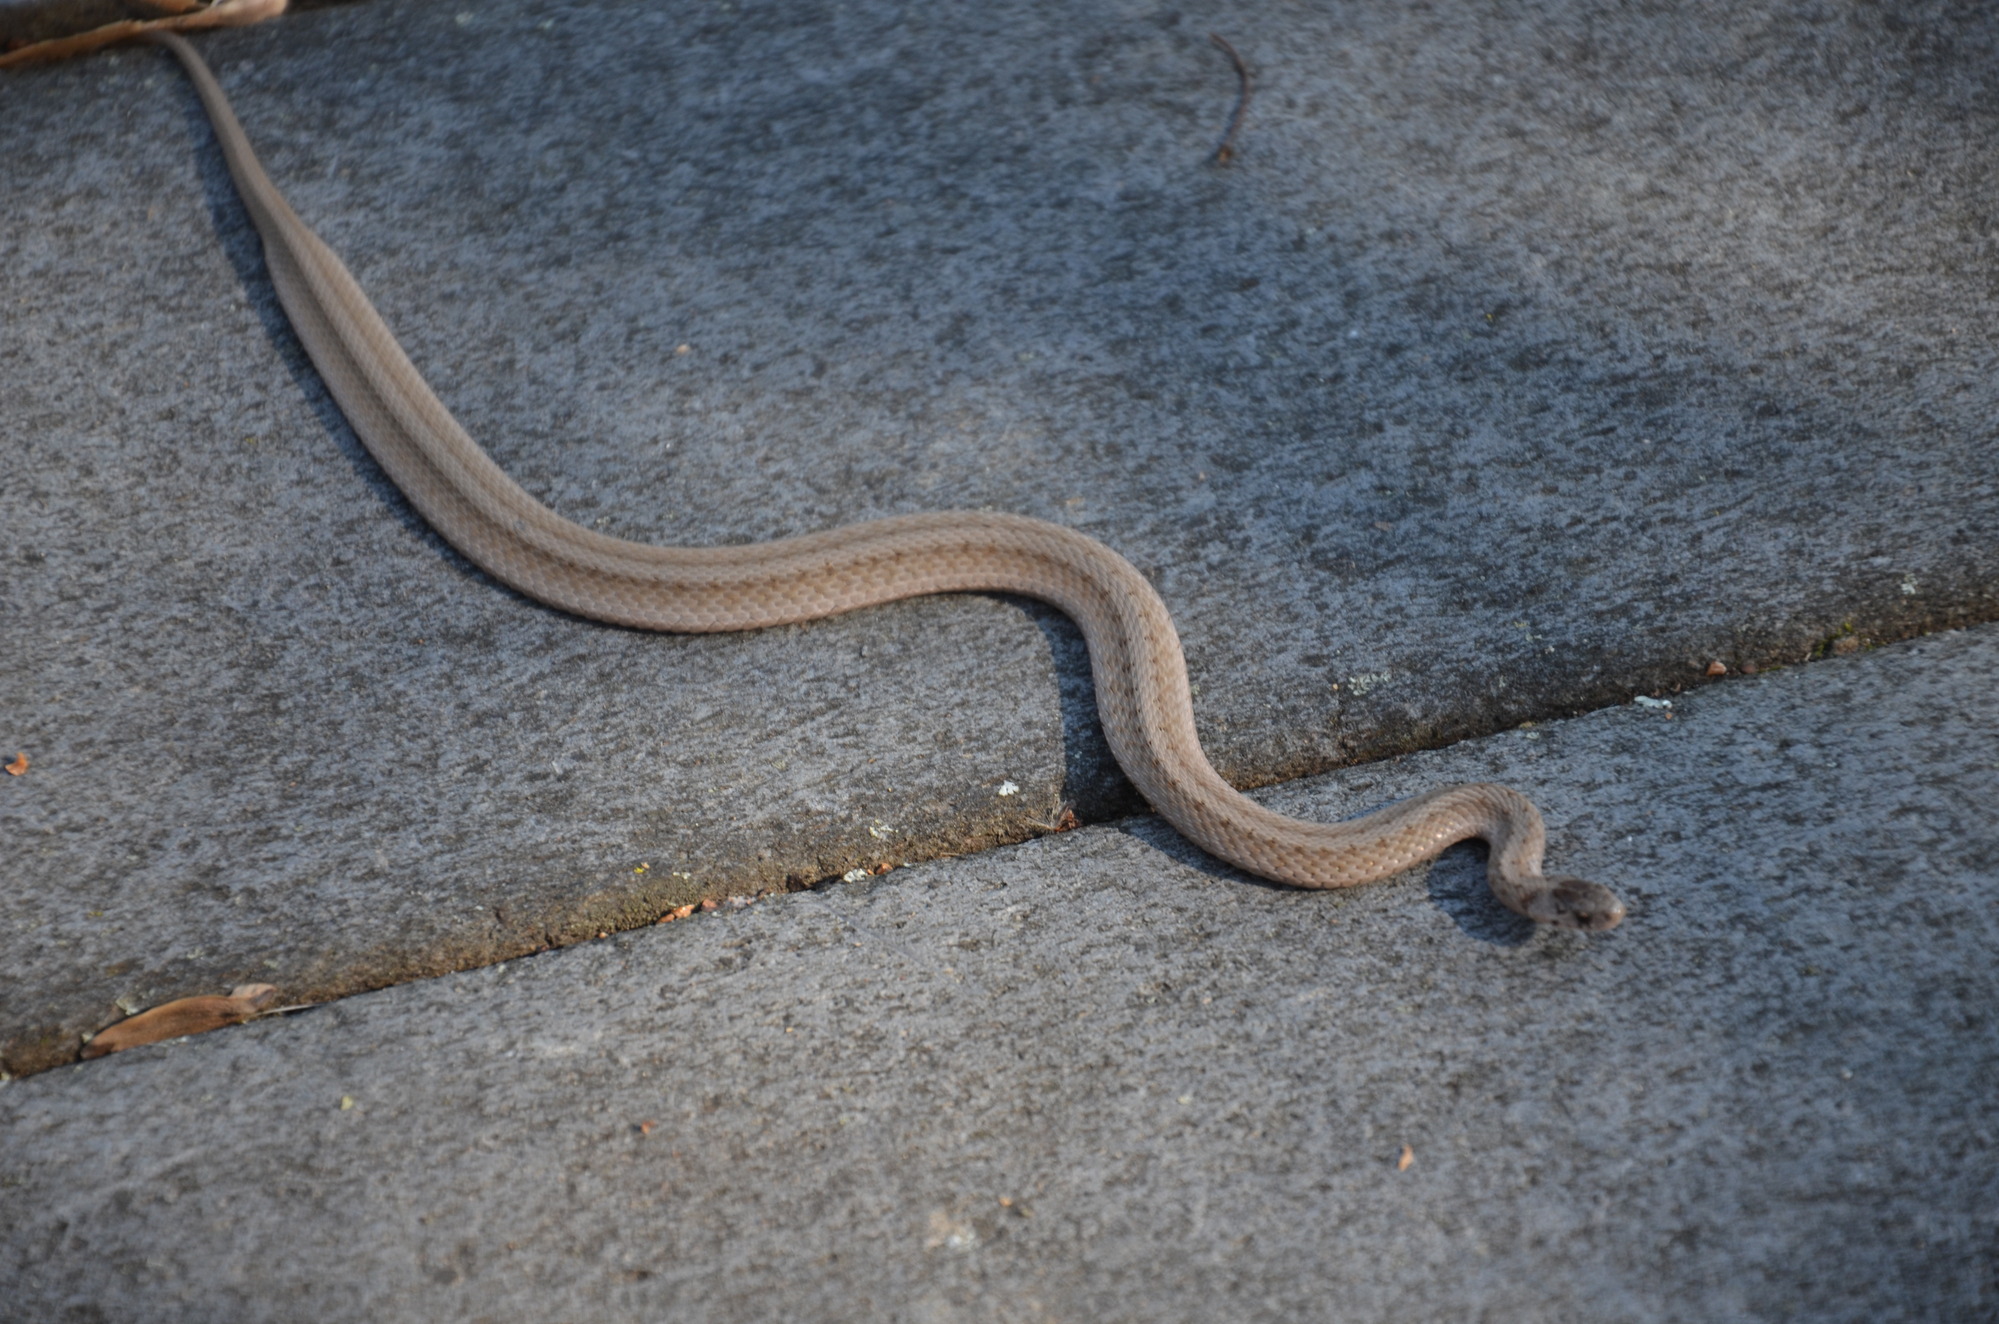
(1575, 903)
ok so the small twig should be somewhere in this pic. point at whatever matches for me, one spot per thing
(1225, 151)
(1065, 820)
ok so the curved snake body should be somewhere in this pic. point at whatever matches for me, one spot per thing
(1141, 677)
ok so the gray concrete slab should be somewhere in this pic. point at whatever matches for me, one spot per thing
(1095, 1078)
(1516, 365)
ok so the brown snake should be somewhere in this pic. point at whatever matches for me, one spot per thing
(1141, 677)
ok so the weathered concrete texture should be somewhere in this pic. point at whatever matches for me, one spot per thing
(1516, 365)
(1094, 1078)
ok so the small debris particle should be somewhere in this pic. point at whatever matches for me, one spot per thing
(683, 349)
(1846, 644)
(947, 1233)
(1717, 668)
(19, 765)
(1384, 526)
(1749, 668)
(1008, 788)
(1225, 150)
(1006, 1202)
(1647, 701)
(1065, 821)
(346, 1103)
(645, 1128)
(854, 876)
(710, 904)
(642, 868)
(1408, 1157)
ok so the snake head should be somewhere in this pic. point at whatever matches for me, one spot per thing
(1573, 903)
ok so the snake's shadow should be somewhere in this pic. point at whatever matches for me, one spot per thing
(1457, 886)
(1455, 880)
(1092, 783)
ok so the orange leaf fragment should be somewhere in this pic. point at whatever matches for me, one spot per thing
(1717, 668)
(19, 765)
(182, 1016)
(645, 1128)
(1408, 1157)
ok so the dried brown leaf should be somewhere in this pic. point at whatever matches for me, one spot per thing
(182, 1016)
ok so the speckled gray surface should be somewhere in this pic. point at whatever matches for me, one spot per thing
(1516, 365)
(1093, 1078)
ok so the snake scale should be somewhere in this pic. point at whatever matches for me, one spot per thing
(1143, 699)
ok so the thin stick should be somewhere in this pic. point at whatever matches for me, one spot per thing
(1225, 152)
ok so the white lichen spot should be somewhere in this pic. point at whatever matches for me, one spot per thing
(854, 876)
(1008, 788)
(1909, 586)
(1367, 680)
(1647, 701)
